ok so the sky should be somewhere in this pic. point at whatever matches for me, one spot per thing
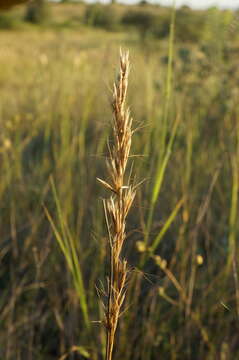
(198, 3)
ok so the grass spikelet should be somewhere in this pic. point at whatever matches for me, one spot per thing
(117, 206)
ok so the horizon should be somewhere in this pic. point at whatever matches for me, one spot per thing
(230, 4)
(194, 4)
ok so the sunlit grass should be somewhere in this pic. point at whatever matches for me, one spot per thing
(54, 113)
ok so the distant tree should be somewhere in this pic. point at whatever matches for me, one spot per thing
(185, 8)
(143, 3)
(190, 25)
(104, 16)
(144, 21)
(37, 11)
(148, 23)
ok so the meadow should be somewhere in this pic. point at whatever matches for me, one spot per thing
(56, 81)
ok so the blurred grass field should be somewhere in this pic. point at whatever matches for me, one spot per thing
(55, 81)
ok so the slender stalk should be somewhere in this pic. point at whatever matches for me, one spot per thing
(116, 207)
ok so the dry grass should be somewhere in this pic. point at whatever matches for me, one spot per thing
(53, 107)
(118, 205)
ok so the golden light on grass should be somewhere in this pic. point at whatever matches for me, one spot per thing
(7, 144)
(200, 259)
(118, 205)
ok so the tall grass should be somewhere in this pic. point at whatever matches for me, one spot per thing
(117, 207)
(70, 249)
(162, 155)
(182, 301)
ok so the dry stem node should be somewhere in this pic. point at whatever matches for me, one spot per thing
(117, 206)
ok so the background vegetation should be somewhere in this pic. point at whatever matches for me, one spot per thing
(57, 63)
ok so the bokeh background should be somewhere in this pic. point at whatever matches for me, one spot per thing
(58, 62)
